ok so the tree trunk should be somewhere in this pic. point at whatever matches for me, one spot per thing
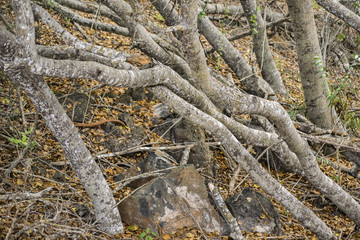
(244, 158)
(261, 47)
(353, 5)
(342, 12)
(308, 49)
(15, 60)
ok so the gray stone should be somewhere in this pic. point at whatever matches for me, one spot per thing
(162, 111)
(184, 131)
(154, 161)
(255, 212)
(81, 103)
(172, 202)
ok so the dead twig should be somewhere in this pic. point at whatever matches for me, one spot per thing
(140, 149)
(24, 196)
(229, 218)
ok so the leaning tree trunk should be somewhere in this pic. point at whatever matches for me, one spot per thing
(261, 47)
(342, 12)
(353, 5)
(222, 45)
(246, 161)
(17, 55)
(308, 48)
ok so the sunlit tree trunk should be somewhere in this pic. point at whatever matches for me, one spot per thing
(308, 49)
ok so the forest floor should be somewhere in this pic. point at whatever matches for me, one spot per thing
(53, 212)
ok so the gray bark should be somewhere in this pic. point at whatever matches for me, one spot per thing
(315, 86)
(261, 47)
(165, 82)
(73, 16)
(341, 12)
(90, 7)
(116, 56)
(233, 10)
(16, 57)
(228, 52)
(194, 53)
(240, 103)
(247, 162)
(142, 39)
(353, 5)
(65, 52)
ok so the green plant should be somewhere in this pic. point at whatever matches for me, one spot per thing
(321, 67)
(147, 235)
(202, 14)
(357, 40)
(160, 18)
(49, 3)
(339, 94)
(323, 160)
(254, 24)
(24, 140)
(341, 37)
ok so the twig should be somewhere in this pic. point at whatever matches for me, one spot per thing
(237, 186)
(233, 179)
(82, 32)
(139, 149)
(10, 29)
(18, 92)
(95, 23)
(12, 225)
(126, 181)
(185, 156)
(236, 173)
(229, 218)
(24, 196)
(248, 33)
(331, 141)
(30, 140)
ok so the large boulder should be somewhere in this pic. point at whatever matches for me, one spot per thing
(174, 201)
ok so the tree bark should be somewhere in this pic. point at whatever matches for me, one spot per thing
(233, 10)
(173, 90)
(353, 5)
(228, 52)
(247, 162)
(341, 12)
(261, 47)
(15, 60)
(315, 86)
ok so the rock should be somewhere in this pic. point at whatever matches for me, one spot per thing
(132, 172)
(162, 111)
(120, 140)
(125, 99)
(127, 119)
(81, 103)
(255, 212)
(59, 177)
(184, 131)
(154, 161)
(171, 202)
(84, 212)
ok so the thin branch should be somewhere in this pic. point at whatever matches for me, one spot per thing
(229, 218)
(140, 149)
(24, 196)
